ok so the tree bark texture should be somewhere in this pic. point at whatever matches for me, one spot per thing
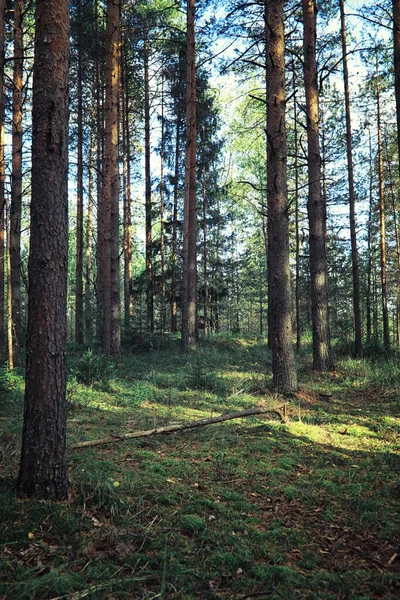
(279, 291)
(2, 178)
(189, 284)
(43, 460)
(322, 360)
(148, 206)
(79, 194)
(16, 179)
(109, 208)
(352, 195)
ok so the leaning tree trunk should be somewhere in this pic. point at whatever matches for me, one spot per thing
(16, 180)
(322, 360)
(352, 195)
(279, 291)
(189, 284)
(43, 471)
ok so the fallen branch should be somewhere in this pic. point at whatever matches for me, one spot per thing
(112, 439)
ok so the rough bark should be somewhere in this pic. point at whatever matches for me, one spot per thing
(322, 360)
(147, 142)
(189, 284)
(2, 178)
(43, 470)
(352, 195)
(16, 180)
(382, 223)
(279, 291)
(79, 193)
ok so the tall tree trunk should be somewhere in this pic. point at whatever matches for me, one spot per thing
(79, 195)
(369, 246)
(89, 237)
(205, 253)
(16, 180)
(397, 239)
(147, 142)
(162, 207)
(352, 196)
(382, 224)
(127, 196)
(189, 284)
(2, 179)
(108, 237)
(10, 329)
(396, 61)
(43, 469)
(279, 292)
(322, 360)
(297, 216)
(174, 241)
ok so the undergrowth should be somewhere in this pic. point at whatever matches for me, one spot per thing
(248, 508)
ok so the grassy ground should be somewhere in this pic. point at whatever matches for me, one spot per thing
(245, 509)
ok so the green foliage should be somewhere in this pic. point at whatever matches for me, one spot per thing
(92, 368)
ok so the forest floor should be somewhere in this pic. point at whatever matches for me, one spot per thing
(251, 508)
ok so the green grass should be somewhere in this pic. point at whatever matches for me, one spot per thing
(308, 509)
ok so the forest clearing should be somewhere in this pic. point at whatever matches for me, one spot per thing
(244, 509)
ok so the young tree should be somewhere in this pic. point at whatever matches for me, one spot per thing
(189, 285)
(322, 360)
(279, 291)
(43, 469)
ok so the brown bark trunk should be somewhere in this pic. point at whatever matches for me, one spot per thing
(16, 180)
(382, 224)
(397, 239)
(162, 206)
(396, 61)
(79, 196)
(89, 313)
(205, 255)
(369, 247)
(127, 234)
(10, 329)
(109, 209)
(2, 178)
(189, 284)
(322, 360)
(149, 252)
(43, 470)
(297, 216)
(279, 292)
(352, 196)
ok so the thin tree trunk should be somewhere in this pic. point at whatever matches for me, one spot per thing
(148, 207)
(297, 216)
(10, 328)
(43, 466)
(322, 360)
(16, 180)
(174, 254)
(89, 237)
(369, 247)
(279, 292)
(79, 195)
(352, 196)
(382, 225)
(189, 284)
(397, 238)
(127, 235)
(205, 254)
(2, 180)
(162, 207)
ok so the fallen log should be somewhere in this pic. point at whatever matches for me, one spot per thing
(112, 439)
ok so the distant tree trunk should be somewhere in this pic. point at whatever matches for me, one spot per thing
(2, 179)
(162, 207)
(43, 471)
(397, 239)
(99, 184)
(382, 225)
(189, 284)
(396, 61)
(149, 241)
(369, 246)
(297, 216)
(205, 254)
(127, 235)
(174, 241)
(108, 236)
(89, 238)
(279, 292)
(10, 329)
(16, 179)
(315, 205)
(352, 196)
(79, 195)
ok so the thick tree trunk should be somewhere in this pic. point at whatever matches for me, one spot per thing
(382, 224)
(79, 195)
(189, 284)
(279, 292)
(16, 180)
(149, 240)
(352, 196)
(43, 460)
(2, 179)
(322, 360)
